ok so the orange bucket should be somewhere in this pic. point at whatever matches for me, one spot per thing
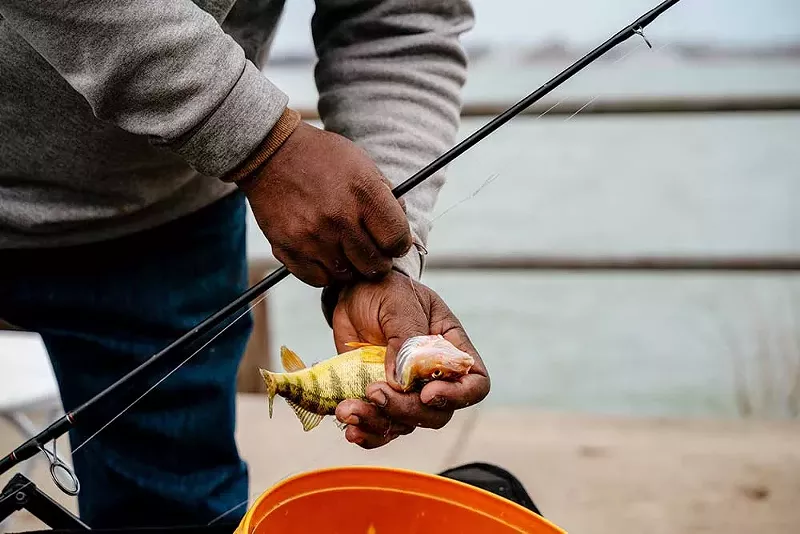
(384, 500)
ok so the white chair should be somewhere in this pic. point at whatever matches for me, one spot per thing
(27, 383)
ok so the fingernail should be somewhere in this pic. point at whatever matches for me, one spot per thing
(379, 398)
(352, 420)
(437, 402)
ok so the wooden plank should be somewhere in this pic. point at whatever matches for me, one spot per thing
(620, 106)
(257, 353)
(524, 262)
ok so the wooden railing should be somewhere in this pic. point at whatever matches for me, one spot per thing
(624, 106)
(257, 353)
(258, 349)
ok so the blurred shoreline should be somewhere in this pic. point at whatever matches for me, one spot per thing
(562, 50)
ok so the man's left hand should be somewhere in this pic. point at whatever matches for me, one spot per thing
(388, 312)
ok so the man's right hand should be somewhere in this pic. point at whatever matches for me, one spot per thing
(326, 209)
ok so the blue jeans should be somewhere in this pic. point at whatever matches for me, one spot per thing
(103, 309)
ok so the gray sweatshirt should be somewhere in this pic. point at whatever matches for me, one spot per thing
(117, 116)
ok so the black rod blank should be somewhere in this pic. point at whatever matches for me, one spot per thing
(63, 424)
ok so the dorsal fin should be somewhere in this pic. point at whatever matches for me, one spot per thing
(309, 419)
(291, 361)
(357, 344)
(373, 354)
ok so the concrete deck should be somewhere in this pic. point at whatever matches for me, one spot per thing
(588, 474)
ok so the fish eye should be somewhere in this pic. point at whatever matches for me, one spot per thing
(437, 373)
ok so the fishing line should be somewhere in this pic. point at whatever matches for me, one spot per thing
(494, 176)
(472, 419)
(154, 386)
(61, 426)
(56, 463)
(491, 179)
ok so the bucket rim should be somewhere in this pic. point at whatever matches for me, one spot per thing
(388, 469)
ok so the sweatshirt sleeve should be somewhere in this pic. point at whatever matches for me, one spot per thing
(389, 76)
(164, 69)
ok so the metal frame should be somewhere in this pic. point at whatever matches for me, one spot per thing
(22, 494)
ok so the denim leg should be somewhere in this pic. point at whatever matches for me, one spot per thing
(103, 309)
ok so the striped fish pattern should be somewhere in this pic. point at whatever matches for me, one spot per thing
(314, 392)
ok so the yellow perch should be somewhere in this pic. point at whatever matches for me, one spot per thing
(314, 392)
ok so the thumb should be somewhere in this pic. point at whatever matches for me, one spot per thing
(402, 316)
(343, 329)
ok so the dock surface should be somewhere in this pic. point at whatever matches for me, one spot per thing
(587, 473)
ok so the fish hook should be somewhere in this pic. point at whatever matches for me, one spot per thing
(69, 484)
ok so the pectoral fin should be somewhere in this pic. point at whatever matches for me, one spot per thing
(310, 420)
(291, 362)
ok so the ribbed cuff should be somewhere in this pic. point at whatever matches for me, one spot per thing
(286, 124)
(237, 127)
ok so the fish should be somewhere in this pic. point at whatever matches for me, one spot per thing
(315, 392)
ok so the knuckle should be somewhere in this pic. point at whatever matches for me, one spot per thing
(338, 218)
(282, 254)
(361, 185)
(398, 237)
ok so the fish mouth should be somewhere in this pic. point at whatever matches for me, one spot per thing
(435, 347)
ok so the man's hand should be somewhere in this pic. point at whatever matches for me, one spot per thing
(387, 313)
(326, 209)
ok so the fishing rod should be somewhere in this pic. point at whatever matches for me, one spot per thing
(88, 409)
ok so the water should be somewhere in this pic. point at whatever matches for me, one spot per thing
(642, 73)
(655, 344)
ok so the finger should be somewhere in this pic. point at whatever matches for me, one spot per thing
(333, 258)
(407, 408)
(401, 317)
(444, 322)
(365, 440)
(365, 256)
(467, 391)
(369, 418)
(354, 317)
(307, 270)
(385, 220)
(343, 329)
(401, 200)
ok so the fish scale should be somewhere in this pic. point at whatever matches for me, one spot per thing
(315, 392)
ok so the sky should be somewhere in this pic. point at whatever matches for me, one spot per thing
(584, 22)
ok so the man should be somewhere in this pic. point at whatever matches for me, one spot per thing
(132, 135)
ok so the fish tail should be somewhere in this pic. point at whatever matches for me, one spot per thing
(272, 387)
